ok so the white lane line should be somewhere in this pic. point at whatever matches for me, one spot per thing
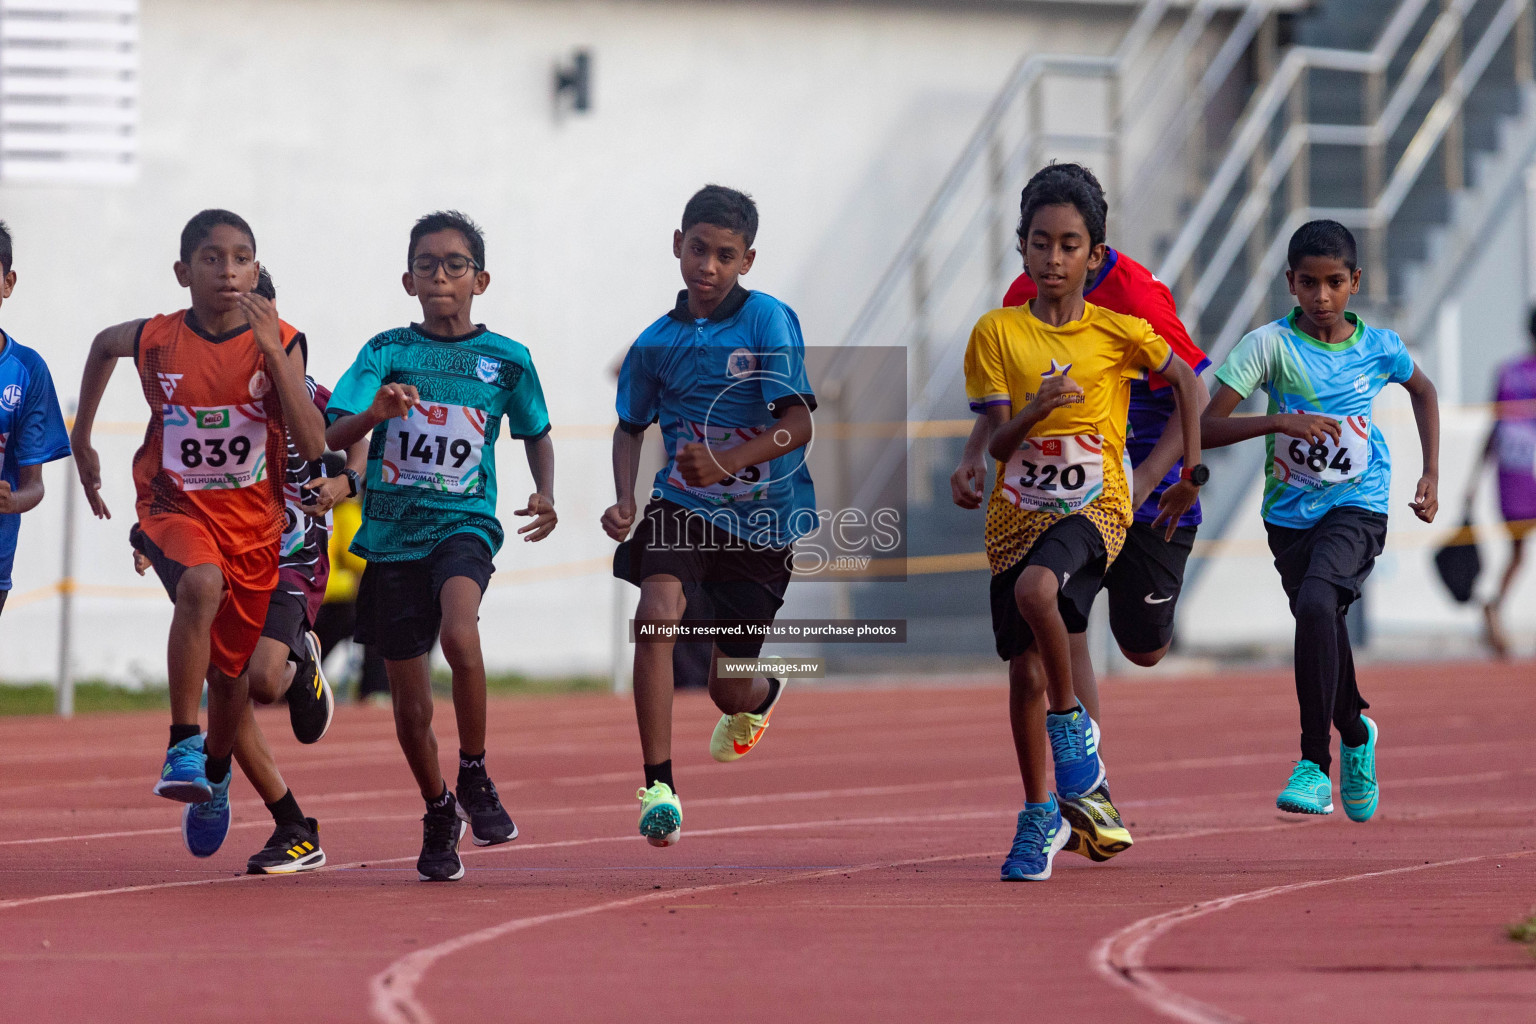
(393, 990)
(1121, 957)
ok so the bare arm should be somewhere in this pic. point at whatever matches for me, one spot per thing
(1167, 451)
(1218, 428)
(390, 401)
(28, 492)
(1179, 498)
(306, 427)
(1426, 413)
(541, 503)
(620, 516)
(700, 466)
(114, 343)
(969, 479)
(1007, 434)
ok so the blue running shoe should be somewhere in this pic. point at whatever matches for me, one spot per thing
(1075, 749)
(1357, 776)
(1040, 837)
(1308, 792)
(204, 825)
(184, 776)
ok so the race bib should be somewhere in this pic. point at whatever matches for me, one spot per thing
(214, 449)
(295, 529)
(1517, 447)
(437, 447)
(749, 484)
(1057, 474)
(1314, 466)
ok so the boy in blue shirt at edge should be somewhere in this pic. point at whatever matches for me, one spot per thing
(724, 374)
(31, 428)
(433, 395)
(1326, 490)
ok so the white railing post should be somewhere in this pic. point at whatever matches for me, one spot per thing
(64, 685)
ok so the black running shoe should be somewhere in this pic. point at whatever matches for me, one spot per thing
(481, 807)
(310, 700)
(292, 848)
(439, 860)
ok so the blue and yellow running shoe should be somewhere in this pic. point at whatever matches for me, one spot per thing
(1308, 792)
(184, 774)
(1075, 749)
(1097, 831)
(204, 825)
(661, 815)
(1040, 836)
(1357, 776)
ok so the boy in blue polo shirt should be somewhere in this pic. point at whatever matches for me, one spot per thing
(1326, 490)
(31, 428)
(724, 374)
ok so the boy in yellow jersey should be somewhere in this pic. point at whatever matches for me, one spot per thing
(1053, 378)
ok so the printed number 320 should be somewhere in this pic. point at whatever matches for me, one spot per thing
(423, 449)
(1046, 478)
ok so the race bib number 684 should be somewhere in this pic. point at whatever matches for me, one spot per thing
(1313, 465)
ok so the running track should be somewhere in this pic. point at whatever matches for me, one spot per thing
(846, 870)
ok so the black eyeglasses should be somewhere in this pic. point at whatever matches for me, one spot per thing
(454, 265)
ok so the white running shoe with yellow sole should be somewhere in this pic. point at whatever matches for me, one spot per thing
(661, 815)
(736, 734)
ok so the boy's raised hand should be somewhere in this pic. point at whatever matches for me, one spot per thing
(261, 314)
(618, 518)
(1426, 498)
(88, 465)
(544, 518)
(1056, 392)
(393, 401)
(966, 483)
(327, 491)
(698, 465)
(1176, 500)
(7, 499)
(141, 562)
(1309, 426)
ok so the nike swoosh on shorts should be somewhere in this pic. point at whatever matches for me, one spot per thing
(1161, 600)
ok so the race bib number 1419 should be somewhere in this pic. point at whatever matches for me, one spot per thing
(436, 446)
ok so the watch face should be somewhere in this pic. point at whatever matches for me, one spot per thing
(1199, 475)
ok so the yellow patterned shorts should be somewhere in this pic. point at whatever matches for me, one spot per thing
(1012, 531)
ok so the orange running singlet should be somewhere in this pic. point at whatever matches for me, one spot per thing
(216, 447)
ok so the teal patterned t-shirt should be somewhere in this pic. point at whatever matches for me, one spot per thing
(432, 473)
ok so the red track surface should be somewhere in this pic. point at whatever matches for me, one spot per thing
(846, 870)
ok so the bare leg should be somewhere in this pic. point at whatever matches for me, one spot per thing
(1035, 593)
(410, 687)
(198, 594)
(736, 695)
(1492, 610)
(460, 598)
(1026, 714)
(256, 761)
(1085, 685)
(661, 602)
(228, 702)
(270, 671)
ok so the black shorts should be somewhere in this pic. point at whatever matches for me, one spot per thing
(744, 582)
(3, 595)
(288, 621)
(1074, 550)
(1340, 548)
(1144, 584)
(398, 607)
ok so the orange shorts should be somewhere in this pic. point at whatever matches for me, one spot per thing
(173, 544)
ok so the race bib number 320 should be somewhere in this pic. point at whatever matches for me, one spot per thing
(749, 484)
(1058, 474)
(214, 449)
(1313, 465)
(438, 447)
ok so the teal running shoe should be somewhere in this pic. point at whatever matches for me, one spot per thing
(1308, 792)
(1041, 835)
(204, 825)
(1357, 776)
(183, 777)
(661, 815)
(1075, 749)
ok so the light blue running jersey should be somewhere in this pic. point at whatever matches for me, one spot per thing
(31, 431)
(720, 381)
(1301, 374)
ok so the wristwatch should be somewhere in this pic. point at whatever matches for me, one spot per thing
(1197, 475)
(354, 486)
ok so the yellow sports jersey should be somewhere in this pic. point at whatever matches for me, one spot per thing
(1073, 461)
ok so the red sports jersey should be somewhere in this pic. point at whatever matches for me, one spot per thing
(1125, 286)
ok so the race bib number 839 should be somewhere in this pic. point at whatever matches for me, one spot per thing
(214, 449)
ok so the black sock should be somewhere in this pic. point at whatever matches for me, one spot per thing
(1070, 710)
(472, 765)
(218, 769)
(655, 773)
(773, 691)
(443, 804)
(285, 809)
(183, 732)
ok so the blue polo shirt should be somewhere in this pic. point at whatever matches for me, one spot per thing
(721, 380)
(31, 431)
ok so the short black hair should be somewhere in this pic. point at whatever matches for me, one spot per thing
(449, 220)
(1326, 238)
(724, 208)
(5, 247)
(201, 226)
(264, 286)
(1066, 185)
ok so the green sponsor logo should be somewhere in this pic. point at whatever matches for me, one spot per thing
(213, 419)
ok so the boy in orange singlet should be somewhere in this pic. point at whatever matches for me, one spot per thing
(225, 385)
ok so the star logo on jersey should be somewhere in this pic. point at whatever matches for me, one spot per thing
(740, 364)
(1056, 371)
(168, 382)
(488, 369)
(10, 398)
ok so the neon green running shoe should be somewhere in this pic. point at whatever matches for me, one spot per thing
(661, 815)
(1308, 792)
(734, 735)
(1098, 833)
(1357, 776)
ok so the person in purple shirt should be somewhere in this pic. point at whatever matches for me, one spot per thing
(1511, 444)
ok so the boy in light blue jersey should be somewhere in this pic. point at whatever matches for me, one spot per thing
(1326, 490)
(434, 395)
(31, 428)
(724, 375)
